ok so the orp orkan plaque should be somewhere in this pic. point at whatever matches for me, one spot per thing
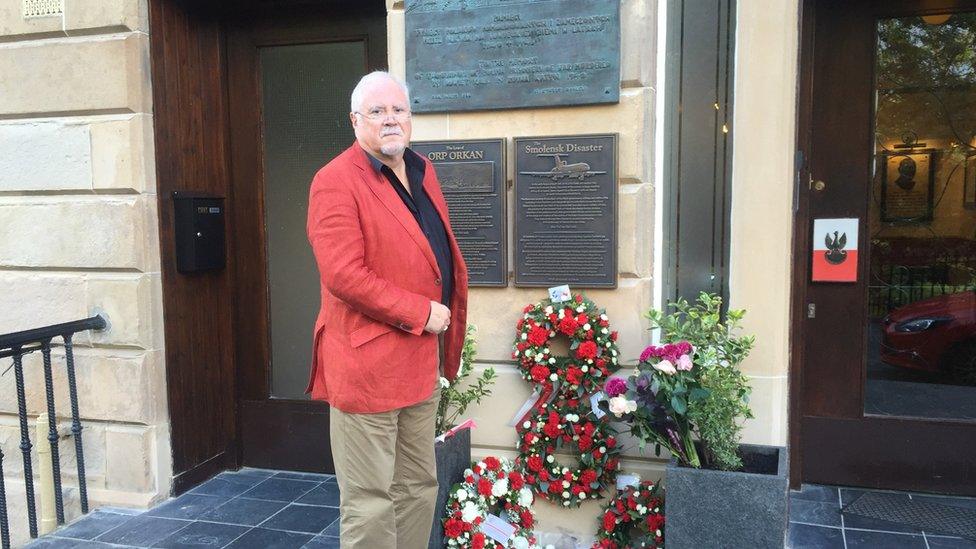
(472, 176)
(496, 54)
(566, 211)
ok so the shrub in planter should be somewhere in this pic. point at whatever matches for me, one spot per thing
(688, 396)
(453, 452)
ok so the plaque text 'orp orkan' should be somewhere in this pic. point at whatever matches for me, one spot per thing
(496, 54)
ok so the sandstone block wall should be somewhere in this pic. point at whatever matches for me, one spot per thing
(78, 235)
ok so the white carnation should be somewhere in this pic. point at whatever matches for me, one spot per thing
(469, 512)
(525, 497)
(461, 494)
(500, 488)
(518, 542)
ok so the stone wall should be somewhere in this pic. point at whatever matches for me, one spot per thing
(78, 235)
(494, 311)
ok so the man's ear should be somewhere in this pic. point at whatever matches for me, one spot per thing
(352, 119)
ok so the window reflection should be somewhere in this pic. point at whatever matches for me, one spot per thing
(922, 220)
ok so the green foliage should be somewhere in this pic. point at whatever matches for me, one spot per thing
(716, 409)
(458, 394)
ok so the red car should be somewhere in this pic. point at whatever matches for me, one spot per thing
(935, 335)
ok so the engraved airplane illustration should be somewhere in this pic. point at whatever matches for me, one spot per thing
(562, 170)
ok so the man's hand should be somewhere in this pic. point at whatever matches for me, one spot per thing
(439, 319)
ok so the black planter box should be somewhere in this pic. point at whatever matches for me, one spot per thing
(453, 457)
(748, 508)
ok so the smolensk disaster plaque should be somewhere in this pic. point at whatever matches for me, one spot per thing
(496, 54)
(472, 176)
(566, 211)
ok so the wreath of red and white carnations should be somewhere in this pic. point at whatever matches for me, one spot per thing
(592, 346)
(634, 518)
(494, 486)
(567, 425)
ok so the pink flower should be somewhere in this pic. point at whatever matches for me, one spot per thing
(646, 353)
(685, 363)
(615, 386)
(666, 366)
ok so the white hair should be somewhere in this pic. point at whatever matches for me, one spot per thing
(356, 100)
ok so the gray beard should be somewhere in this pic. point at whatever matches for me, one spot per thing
(392, 149)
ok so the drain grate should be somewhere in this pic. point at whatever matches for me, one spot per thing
(930, 517)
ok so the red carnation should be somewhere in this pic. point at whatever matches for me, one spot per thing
(613, 336)
(574, 376)
(554, 488)
(527, 520)
(609, 521)
(568, 325)
(528, 308)
(484, 487)
(551, 430)
(453, 527)
(582, 319)
(577, 490)
(588, 429)
(588, 477)
(578, 298)
(538, 335)
(515, 480)
(535, 463)
(539, 373)
(631, 503)
(585, 443)
(611, 442)
(655, 522)
(587, 349)
(478, 541)
(492, 463)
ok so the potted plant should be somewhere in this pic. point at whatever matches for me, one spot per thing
(452, 447)
(688, 396)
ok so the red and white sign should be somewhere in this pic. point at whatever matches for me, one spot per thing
(835, 250)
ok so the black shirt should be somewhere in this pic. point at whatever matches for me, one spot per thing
(424, 212)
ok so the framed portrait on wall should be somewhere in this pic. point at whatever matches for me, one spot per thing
(907, 186)
(969, 183)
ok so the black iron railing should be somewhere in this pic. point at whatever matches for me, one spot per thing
(17, 345)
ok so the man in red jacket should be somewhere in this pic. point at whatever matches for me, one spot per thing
(392, 319)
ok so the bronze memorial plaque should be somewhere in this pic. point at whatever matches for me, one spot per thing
(464, 55)
(566, 211)
(472, 176)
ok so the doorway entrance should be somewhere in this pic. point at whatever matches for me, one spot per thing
(289, 80)
(250, 99)
(885, 346)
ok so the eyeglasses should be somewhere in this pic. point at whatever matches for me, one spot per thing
(376, 114)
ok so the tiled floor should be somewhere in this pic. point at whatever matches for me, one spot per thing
(816, 521)
(250, 508)
(260, 509)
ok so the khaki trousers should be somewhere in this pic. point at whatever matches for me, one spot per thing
(387, 476)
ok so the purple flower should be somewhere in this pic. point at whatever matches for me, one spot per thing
(615, 386)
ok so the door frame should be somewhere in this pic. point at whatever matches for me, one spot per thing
(865, 432)
(272, 433)
(191, 127)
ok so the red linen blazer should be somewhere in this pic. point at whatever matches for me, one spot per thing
(378, 276)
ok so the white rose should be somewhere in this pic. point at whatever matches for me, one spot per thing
(461, 494)
(550, 459)
(500, 488)
(603, 317)
(469, 512)
(565, 494)
(525, 497)
(565, 484)
(444, 382)
(580, 309)
(524, 336)
(586, 326)
(552, 360)
(620, 405)
(582, 495)
(527, 424)
(549, 310)
(553, 377)
(606, 331)
(585, 368)
(518, 542)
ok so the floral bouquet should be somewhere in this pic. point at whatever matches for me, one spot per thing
(633, 518)
(689, 389)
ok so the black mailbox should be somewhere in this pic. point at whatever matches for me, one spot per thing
(199, 232)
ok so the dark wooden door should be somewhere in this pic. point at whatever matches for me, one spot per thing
(289, 80)
(885, 367)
